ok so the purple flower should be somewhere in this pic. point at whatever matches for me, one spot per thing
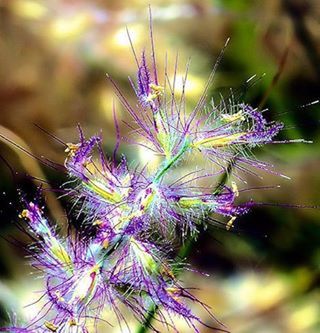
(133, 217)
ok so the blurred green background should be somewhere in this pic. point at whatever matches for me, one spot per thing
(54, 54)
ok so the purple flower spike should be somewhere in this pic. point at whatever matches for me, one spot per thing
(79, 157)
(144, 79)
(148, 91)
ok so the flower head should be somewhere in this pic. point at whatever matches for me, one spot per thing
(133, 217)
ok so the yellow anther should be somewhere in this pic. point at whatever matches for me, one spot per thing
(72, 149)
(235, 189)
(151, 97)
(129, 217)
(127, 179)
(97, 222)
(229, 118)
(59, 297)
(25, 214)
(50, 326)
(174, 292)
(156, 88)
(96, 269)
(167, 271)
(136, 213)
(72, 322)
(156, 91)
(229, 225)
(105, 243)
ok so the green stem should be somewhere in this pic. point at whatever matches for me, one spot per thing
(171, 162)
(148, 320)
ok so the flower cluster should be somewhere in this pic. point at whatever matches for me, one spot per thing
(134, 215)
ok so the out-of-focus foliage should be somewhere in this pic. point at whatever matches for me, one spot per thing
(54, 55)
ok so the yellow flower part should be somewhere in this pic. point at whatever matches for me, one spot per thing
(174, 292)
(59, 252)
(85, 286)
(144, 199)
(54, 246)
(72, 322)
(156, 88)
(103, 191)
(147, 199)
(229, 118)
(25, 214)
(189, 202)
(165, 270)
(235, 188)
(97, 223)
(145, 258)
(59, 297)
(72, 149)
(156, 91)
(50, 326)
(217, 141)
(162, 135)
(105, 243)
(229, 225)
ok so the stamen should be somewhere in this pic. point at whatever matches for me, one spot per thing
(59, 297)
(97, 223)
(235, 188)
(72, 148)
(156, 91)
(25, 214)
(105, 243)
(50, 326)
(229, 225)
(73, 322)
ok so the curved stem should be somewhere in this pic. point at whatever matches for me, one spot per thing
(171, 162)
